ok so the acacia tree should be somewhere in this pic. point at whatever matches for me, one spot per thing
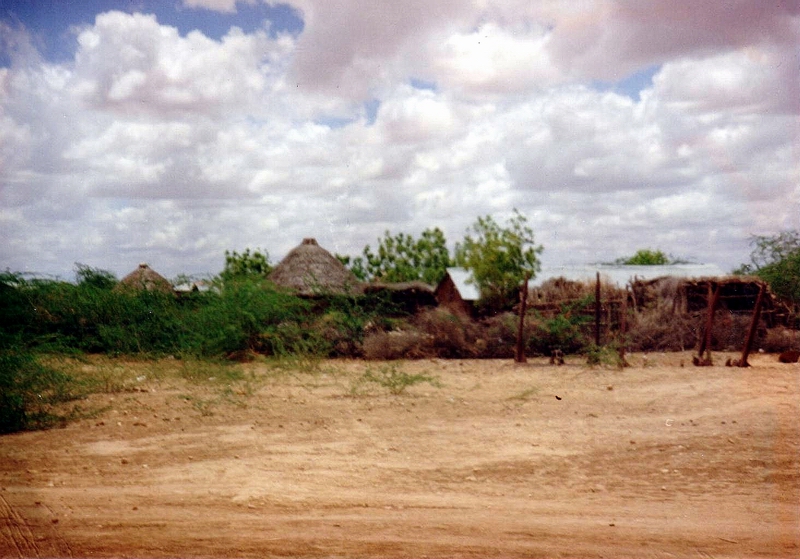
(649, 257)
(402, 257)
(499, 257)
(776, 259)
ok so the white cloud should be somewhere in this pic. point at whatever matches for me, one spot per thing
(167, 148)
(131, 63)
(750, 81)
(492, 60)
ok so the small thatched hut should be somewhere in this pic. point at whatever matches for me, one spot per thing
(144, 278)
(311, 270)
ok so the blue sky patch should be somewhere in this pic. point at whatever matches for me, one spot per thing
(51, 22)
(371, 107)
(418, 83)
(631, 85)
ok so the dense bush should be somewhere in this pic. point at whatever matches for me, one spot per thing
(398, 344)
(662, 330)
(450, 335)
(244, 314)
(567, 330)
(497, 339)
(730, 331)
(778, 340)
(90, 316)
(247, 314)
(28, 389)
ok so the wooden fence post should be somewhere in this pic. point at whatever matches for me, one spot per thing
(597, 312)
(523, 307)
(623, 328)
(751, 334)
(713, 298)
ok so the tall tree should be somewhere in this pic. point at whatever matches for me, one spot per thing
(499, 257)
(402, 257)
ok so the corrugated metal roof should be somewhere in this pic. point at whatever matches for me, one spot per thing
(460, 276)
(621, 275)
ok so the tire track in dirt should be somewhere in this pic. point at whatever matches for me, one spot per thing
(60, 546)
(15, 534)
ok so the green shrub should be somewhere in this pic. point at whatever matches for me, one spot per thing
(29, 390)
(565, 331)
(91, 316)
(392, 378)
(608, 356)
(248, 314)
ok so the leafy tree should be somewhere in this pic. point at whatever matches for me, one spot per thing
(403, 258)
(649, 257)
(355, 265)
(246, 264)
(776, 259)
(499, 257)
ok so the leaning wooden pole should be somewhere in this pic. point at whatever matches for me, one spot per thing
(623, 328)
(523, 307)
(751, 334)
(597, 311)
(713, 298)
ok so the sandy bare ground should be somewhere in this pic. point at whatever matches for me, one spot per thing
(499, 460)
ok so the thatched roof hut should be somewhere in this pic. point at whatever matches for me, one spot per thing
(144, 278)
(309, 269)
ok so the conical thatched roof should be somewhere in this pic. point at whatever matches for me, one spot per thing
(311, 270)
(144, 278)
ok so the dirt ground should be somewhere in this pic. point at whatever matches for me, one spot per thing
(492, 460)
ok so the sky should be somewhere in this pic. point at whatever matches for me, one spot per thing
(170, 131)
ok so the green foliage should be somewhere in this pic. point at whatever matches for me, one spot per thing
(565, 331)
(608, 356)
(246, 314)
(356, 265)
(499, 257)
(776, 259)
(392, 378)
(246, 264)
(646, 257)
(16, 312)
(94, 277)
(403, 258)
(28, 389)
(88, 318)
(770, 249)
